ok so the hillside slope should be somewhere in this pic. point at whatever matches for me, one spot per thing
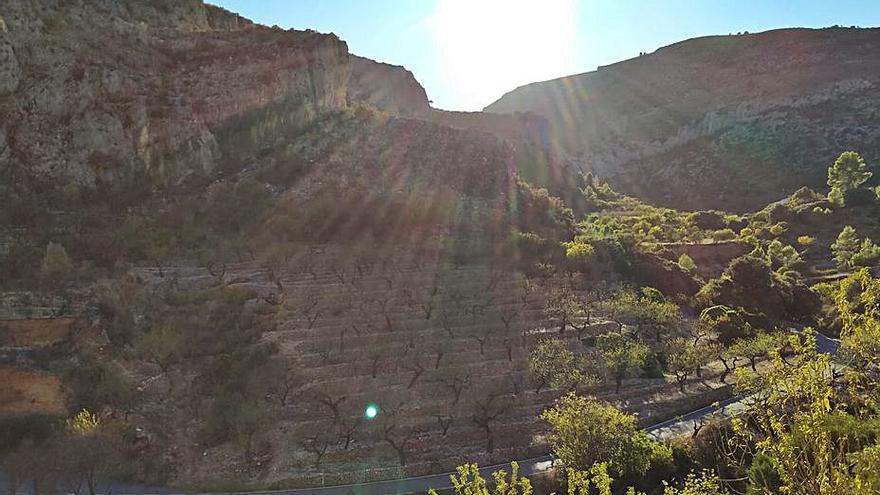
(723, 121)
(147, 94)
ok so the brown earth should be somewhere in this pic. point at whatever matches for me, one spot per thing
(28, 392)
(35, 333)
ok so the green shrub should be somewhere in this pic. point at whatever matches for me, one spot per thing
(723, 235)
(687, 263)
(778, 229)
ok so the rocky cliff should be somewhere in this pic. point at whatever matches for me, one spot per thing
(388, 87)
(723, 121)
(110, 91)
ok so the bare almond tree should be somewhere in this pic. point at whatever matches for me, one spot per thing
(331, 401)
(317, 445)
(445, 422)
(488, 408)
(457, 384)
(399, 438)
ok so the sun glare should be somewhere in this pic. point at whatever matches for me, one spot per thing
(489, 47)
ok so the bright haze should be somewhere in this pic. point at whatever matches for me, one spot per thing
(467, 53)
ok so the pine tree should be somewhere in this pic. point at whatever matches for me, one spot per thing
(848, 172)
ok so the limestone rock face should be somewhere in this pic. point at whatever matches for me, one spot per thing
(116, 91)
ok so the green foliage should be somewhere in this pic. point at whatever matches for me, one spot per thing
(809, 433)
(84, 423)
(784, 259)
(163, 345)
(563, 306)
(685, 356)
(724, 235)
(586, 432)
(763, 477)
(778, 229)
(868, 255)
(552, 362)
(850, 253)
(579, 254)
(858, 306)
(725, 323)
(749, 282)
(848, 172)
(647, 310)
(757, 347)
(469, 481)
(706, 483)
(622, 356)
(687, 263)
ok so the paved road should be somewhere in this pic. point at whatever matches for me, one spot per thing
(675, 427)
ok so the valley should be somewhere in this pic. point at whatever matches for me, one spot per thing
(237, 258)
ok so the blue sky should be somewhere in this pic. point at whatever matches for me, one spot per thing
(467, 53)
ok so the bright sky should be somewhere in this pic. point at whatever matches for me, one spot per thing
(468, 53)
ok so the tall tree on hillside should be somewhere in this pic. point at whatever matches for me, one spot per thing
(848, 172)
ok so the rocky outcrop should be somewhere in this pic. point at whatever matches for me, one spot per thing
(116, 91)
(729, 122)
(390, 88)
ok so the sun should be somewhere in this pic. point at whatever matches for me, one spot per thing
(489, 47)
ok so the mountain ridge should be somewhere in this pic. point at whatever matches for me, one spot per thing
(683, 110)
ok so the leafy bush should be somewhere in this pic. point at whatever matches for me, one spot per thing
(586, 432)
(687, 263)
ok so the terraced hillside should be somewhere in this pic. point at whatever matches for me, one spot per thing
(441, 349)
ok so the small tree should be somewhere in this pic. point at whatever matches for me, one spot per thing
(552, 363)
(623, 357)
(163, 346)
(562, 306)
(755, 348)
(848, 172)
(586, 431)
(845, 248)
(87, 452)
